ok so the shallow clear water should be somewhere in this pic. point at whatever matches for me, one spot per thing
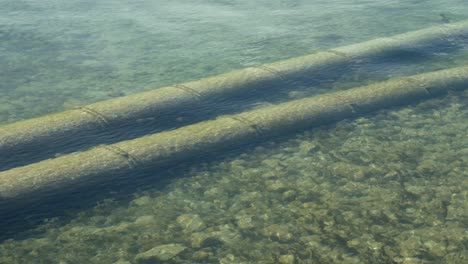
(389, 187)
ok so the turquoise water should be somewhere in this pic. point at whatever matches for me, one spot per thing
(57, 55)
(389, 187)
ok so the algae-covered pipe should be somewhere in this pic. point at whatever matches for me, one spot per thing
(48, 132)
(103, 163)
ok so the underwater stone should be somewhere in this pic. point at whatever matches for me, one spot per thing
(198, 240)
(275, 186)
(122, 262)
(350, 171)
(460, 256)
(213, 192)
(227, 236)
(202, 255)
(278, 232)
(410, 247)
(214, 238)
(122, 227)
(458, 208)
(190, 222)
(289, 195)
(145, 220)
(270, 175)
(228, 259)
(287, 259)
(436, 249)
(416, 190)
(140, 201)
(409, 260)
(426, 168)
(245, 222)
(160, 253)
(308, 147)
(250, 197)
(272, 163)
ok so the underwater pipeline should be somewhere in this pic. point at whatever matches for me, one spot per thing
(21, 140)
(103, 163)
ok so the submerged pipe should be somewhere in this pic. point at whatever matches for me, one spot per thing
(48, 132)
(103, 163)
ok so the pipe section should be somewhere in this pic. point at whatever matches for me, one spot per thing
(103, 163)
(48, 132)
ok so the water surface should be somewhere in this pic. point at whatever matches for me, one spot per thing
(388, 187)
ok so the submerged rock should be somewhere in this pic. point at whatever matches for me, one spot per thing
(145, 220)
(142, 201)
(278, 232)
(225, 236)
(160, 253)
(245, 222)
(287, 259)
(122, 262)
(190, 222)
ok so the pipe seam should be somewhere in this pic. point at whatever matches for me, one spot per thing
(258, 129)
(102, 119)
(131, 161)
(426, 89)
(273, 71)
(428, 92)
(354, 108)
(339, 53)
(189, 90)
